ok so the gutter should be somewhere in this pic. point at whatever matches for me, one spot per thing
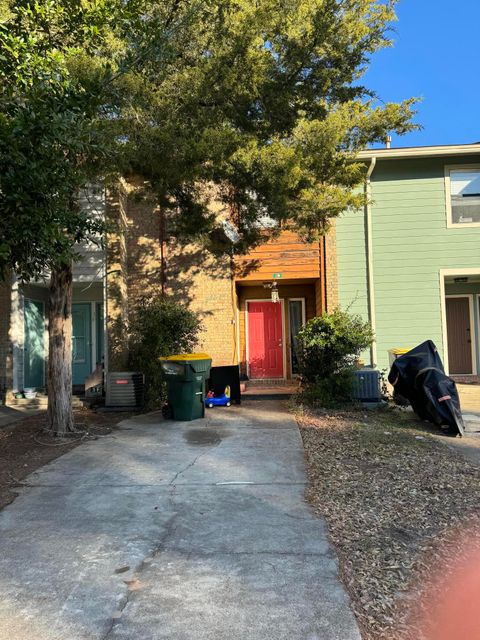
(369, 239)
(397, 153)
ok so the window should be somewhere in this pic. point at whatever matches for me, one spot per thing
(296, 314)
(463, 195)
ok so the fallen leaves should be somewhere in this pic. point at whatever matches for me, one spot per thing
(391, 496)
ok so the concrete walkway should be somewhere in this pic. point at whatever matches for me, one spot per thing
(173, 530)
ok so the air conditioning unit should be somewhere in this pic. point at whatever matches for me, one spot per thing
(125, 389)
(367, 385)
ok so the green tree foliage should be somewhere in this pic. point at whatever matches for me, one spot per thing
(55, 136)
(327, 349)
(262, 99)
(160, 327)
(50, 144)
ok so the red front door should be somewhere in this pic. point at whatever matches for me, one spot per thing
(265, 339)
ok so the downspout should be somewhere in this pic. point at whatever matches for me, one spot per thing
(371, 282)
(162, 237)
(105, 315)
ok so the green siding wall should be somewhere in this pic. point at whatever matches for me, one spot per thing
(411, 243)
(352, 262)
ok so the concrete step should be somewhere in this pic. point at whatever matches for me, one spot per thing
(280, 382)
(264, 391)
(39, 402)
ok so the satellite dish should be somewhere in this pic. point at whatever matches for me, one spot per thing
(231, 232)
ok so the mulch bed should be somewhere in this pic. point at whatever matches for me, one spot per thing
(397, 502)
(24, 446)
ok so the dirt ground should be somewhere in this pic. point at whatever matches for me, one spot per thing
(24, 446)
(399, 505)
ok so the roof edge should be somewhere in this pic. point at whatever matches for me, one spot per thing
(420, 152)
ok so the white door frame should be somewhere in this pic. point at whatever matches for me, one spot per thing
(284, 346)
(443, 309)
(477, 327)
(473, 349)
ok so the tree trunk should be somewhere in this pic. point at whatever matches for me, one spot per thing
(60, 412)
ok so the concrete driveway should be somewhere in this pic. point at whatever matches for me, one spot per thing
(173, 530)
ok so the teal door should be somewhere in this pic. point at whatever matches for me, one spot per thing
(81, 342)
(34, 344)
(100, 330)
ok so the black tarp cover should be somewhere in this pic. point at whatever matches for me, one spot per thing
(419, 376)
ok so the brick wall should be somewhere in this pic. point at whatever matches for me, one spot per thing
(190, 274)
(143, 242)
(204, 283)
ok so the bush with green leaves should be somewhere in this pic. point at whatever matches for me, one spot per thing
(327, 349)
(160, 327)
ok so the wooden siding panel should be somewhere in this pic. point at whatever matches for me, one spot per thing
(286, 254)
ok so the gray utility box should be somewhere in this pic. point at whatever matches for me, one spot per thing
(125, 389)
(367, 385)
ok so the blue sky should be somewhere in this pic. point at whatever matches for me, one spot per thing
(436, 57)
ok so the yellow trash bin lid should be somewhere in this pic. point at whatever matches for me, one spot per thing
(188, 362)
(188, 356)
(397, 351)
(394, 353)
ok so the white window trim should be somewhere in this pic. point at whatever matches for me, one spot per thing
(302, 300)
(473, 348)
(443, 310)
(448, 195)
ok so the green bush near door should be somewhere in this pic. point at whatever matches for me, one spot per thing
(327, 348)
(159, 326)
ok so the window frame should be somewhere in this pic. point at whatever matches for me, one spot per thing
(448, 195)
(304, 321)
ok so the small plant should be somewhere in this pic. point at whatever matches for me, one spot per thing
(327, 349)
(160, 327)
(333, 391)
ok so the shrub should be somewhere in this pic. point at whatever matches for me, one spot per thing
(331, 343)
(333, 391)
(159, 327)
(327, 348)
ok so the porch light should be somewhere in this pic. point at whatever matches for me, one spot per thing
(274, 291)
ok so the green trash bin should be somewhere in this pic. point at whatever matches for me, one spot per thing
(186, 376)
